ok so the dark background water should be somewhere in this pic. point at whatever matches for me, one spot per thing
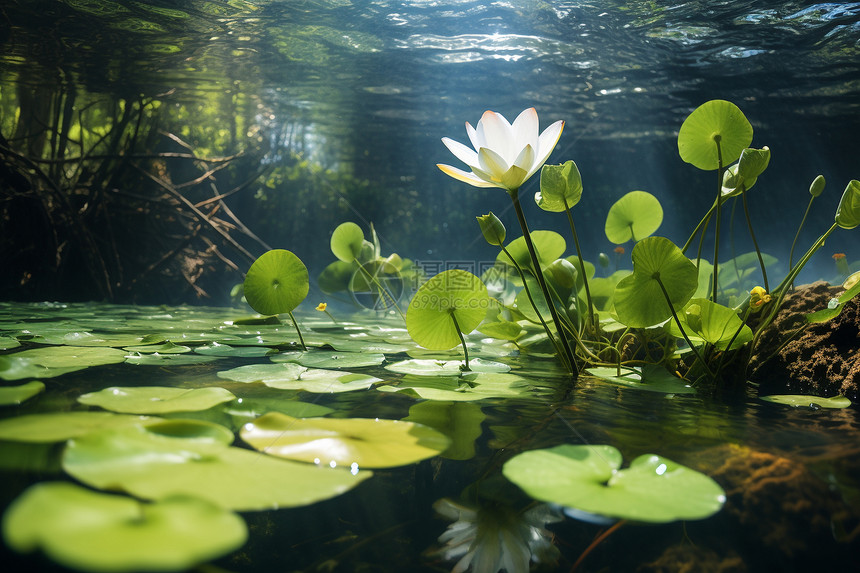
(365, 91)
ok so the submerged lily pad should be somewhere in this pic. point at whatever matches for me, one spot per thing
(651, 378)
(653, 489)
(460, 421)
(800, 401)
(365, 442)
(11, 395)
(60, 426)
(152, 466)
(156, 399)
(93, 531)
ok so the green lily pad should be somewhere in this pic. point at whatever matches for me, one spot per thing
(324, 359)
(651, 378)
(276, 283)
(425, 367)
(157, 359)
(365, 442)
(50, 362)
(60, 426)
(639, 299)
(587, 478)
(635, 216)
(504, 330)
(800, 401)
(347, 241)
(265, 373)
(11, 395)
(152, 466)
(8, 343)
(370, 346)
(448, 304)
(102, 339)
(471, 387)
(714, 121)
(93, 531)
(227, 351)
(549, 246)
(165, 348)
(706, 321)
(322, 381)
(247, 409)
(156, 399)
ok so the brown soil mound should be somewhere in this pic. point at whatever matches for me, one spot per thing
(824, 360)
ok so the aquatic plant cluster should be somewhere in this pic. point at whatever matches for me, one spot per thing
(162, 474)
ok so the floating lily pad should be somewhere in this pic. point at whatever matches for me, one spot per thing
(323, 359)
(50, 362)
(247, 409)
(10, 395)
(165, 348)
(93, 531)
(369, 443)
(157, 359)
(8, 343)
(800, 401)
(369, 345)
(323, 381)
(587, 478)
(471, 387)
(227, 351)
(150, 466)
(652, 379)
(110, 340)
(265, 373)
(156, 399)
(60, 426)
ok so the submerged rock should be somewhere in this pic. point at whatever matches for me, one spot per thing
(823, 360)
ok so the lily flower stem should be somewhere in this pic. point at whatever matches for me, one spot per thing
(729, 345)
(597, 541)
(681, 328)
(552, 338)
(719, 209)
(462, 340)
(796, 235)
(296, 325)
(702, 223)
(514, 193)
(752, 235)
(592, 326)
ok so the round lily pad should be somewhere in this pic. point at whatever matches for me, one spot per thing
(265, 373)
(639, 299)
(152, 466)
(347, 241)
(369, 443)
(426, 367)
(10, 395)
(714, 121)
(60, 426)
(93, 531)
(635, 216)
(474, 386)
(276, 283)
(651, 378)
(706, 321)
(451, 302)
(325, 359)
(156, 399)
(228, 351)
(800, 401)
(164, 348)
(653, 489)
(323, 381)
(71, 356)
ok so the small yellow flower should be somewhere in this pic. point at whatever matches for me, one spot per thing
(758, 298)
(322, 306)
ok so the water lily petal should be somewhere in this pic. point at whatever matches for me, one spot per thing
(492, 163)
(465, 176)
(526, 158)
(525, 128)
(461, 152)
(477, 141)
(489, 178)
(497, 135)
(546, 144)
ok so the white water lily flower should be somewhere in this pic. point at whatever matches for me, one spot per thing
(504, 154)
